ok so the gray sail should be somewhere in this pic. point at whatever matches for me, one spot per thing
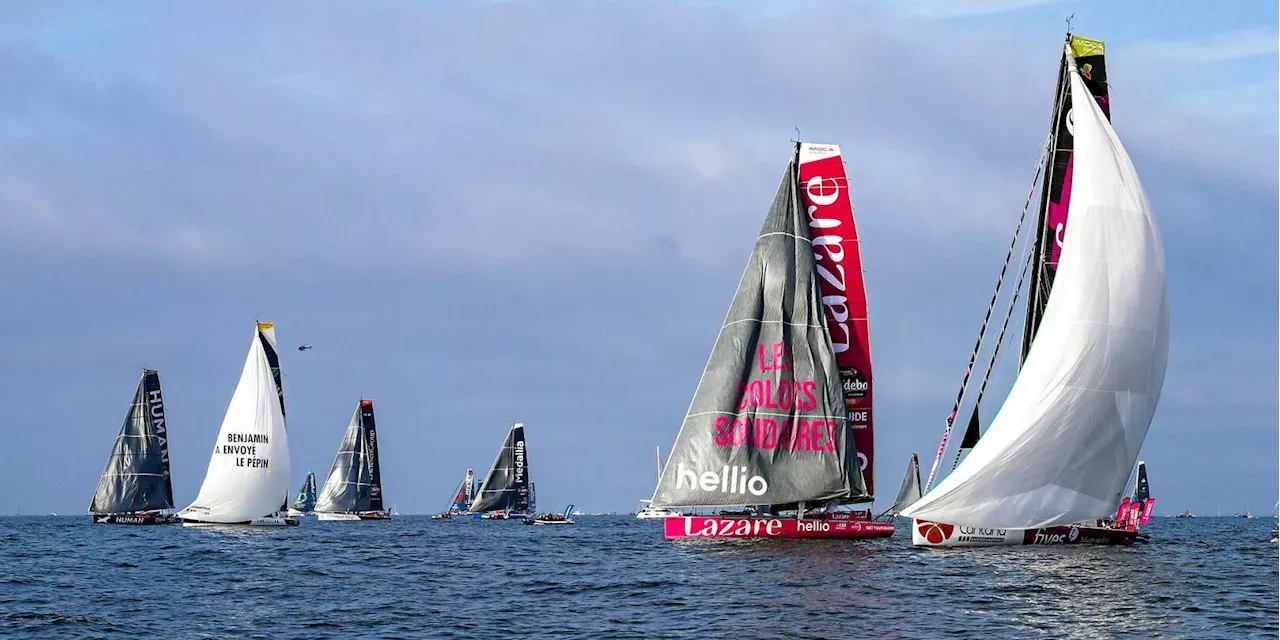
(506, 487)
(136, 477)
(767, 424)
(909, 491)
(354, 481)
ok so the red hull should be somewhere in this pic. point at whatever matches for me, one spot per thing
(765, 527)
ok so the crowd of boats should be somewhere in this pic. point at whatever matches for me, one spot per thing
(779, 436)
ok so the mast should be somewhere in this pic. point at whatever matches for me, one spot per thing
(1055, 198)
(136, 477)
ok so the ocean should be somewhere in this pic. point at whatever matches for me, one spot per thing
(616, 577)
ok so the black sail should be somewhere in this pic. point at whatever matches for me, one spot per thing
(1142, 490)
(767, 424)
(506, 487)
(354, 483)
(909, 490)
(136, 477)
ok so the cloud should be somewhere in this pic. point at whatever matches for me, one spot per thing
(1223, 46)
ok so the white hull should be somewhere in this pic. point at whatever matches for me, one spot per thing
(339, 517)
(275, 520)
(551, 522)
(940, 534)
(656, 514)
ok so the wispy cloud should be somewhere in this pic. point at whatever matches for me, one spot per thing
(1223, 46)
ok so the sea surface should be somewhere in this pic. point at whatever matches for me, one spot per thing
(616, 577)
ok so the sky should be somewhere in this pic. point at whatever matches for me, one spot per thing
(483, 213)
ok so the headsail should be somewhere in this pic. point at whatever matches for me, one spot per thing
(136, 477)
(249, 470)
(1061, 448)
(506, 487)
(768, 423)
(837, 252)
(909, 490)
(354, 483)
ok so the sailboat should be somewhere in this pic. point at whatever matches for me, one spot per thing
(648, 511)
(506, 492)
(461, 498)
(909, 490)
(305, 503)
(353, 488)
(781, 417)
(1057, 456)
(248, 477)
(136, 487)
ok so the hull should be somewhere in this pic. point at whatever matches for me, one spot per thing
(767, 527)
(134, 518)
(266, 521)
(348, 517)
(498, 516)
(547, 522)
(656, 514)
(938, 534)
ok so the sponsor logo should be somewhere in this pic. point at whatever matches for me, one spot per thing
(1049, 536)
(935, 532)
(980, 534)
(1074, 535)
(727, 528)
(812, 525)
(729, 480)
(520, 461)
(855, 384)
(155, 412)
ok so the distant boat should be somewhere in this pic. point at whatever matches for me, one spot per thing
(1246, 514)
(460, 500)
(248, 477)
(305, 503)
(353, 488)
(554, 518)
(1185, 514)
(909, 490)
(647, 511)
(782, 413)
(506, 493)
(1095, 345)
(136, 486)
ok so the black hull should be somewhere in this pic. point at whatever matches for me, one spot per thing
(134, 519)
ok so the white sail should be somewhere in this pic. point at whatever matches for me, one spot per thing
(1063, 445)
(249, 470)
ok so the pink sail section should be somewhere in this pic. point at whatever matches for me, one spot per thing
(1091, 61)
(1147, 507)
(824, 190)
(835, 525)
(1122, 513)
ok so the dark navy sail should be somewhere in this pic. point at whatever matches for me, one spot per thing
(136, 478)
(306, 500)
(354, 483)
(768, 423)
(507, 487)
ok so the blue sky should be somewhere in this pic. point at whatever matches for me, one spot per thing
(482, 213)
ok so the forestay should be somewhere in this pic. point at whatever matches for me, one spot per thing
(1062, 446)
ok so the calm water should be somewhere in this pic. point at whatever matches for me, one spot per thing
(615, 577)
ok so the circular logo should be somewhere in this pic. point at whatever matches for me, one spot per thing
(855, 384)
(862, 462)
(1073, 534)
(1071, 122)
(935, 532)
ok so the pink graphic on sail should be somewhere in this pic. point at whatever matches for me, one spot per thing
(1122, 513)
(1056, 218)
(838, 258)
(1147, 507)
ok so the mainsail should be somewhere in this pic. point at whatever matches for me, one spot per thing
(465, 493)
(768, 423)
(249, 469)
(306, 500)
(1062, 446)
(506, 487)
(136, 477)
(354, 483)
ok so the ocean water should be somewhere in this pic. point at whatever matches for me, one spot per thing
(616, 577)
